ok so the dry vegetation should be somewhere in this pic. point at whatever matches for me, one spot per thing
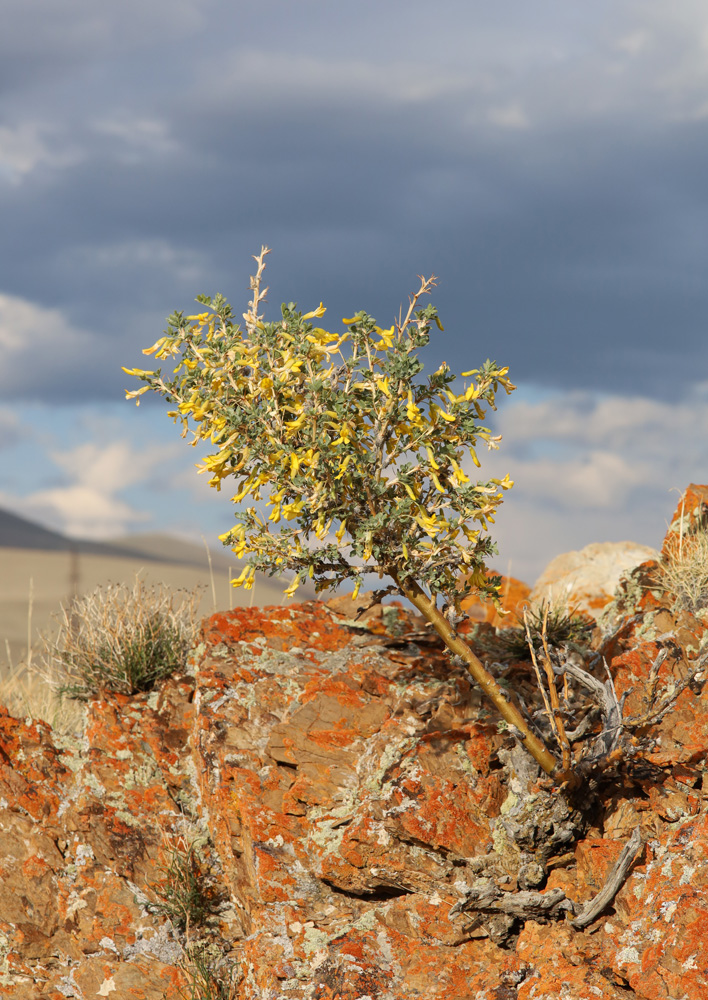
(684, 574)
(116, 638)
(121, 639)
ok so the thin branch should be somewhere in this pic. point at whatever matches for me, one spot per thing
(555, 703)
(541, 686)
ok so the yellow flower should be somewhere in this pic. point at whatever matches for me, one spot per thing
(291, 510)
(459, 476)
(413, 412)
(240, 580)
(295, 425)
(319, 311)
(435, 479)
(345, 434)
(430, 525)
(386, 338)
(344, 464)
(505, 483)
(134, 393)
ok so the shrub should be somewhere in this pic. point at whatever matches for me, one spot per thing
(121, 639)
(362, 458)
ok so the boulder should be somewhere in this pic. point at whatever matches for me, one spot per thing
(586, 580)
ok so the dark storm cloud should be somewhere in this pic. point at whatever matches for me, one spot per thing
(551, 173)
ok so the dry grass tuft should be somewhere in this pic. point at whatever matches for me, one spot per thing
(186, 893)
(26, 694)
(116, 638)
(120, 639)
(684, 574)
(210, 975)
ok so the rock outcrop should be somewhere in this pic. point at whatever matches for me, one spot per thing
(586, 580)
(354, 823)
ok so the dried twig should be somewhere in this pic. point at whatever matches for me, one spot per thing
(657, 712)
(614, 882)
(538, 675)
(654, 675)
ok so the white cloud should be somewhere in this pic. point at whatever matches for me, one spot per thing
(26, 327)
(86, 27)
(510, 116)
(633, 43)
(38, 346)
(88, 503)
(148, 255)
(596, 479)
(25, 147)
(10, 429)
(590, 469)
(138, 137)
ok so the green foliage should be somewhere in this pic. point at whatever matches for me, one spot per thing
(354, 449)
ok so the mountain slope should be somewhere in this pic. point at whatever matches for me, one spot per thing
(19, 533)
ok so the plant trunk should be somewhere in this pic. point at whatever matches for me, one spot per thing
(536, 747)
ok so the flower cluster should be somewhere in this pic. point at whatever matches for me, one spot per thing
(359, 462)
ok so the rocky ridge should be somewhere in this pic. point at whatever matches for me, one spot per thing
(357, 823)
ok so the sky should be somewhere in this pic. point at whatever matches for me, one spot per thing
(547, 161)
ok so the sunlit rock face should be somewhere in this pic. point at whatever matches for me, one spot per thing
(350, 795)
(588, 579)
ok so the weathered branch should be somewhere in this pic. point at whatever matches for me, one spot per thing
(615, 880)
(485, 896)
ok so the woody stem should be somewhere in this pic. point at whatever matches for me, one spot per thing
(536, 747)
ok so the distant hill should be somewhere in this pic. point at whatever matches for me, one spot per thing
(168, 548)
(19, 533)
(41, 570)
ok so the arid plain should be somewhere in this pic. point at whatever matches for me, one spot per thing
(36, 581)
